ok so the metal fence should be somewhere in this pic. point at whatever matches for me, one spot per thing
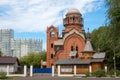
(42, 70)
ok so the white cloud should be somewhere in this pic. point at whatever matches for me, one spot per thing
(36, 15)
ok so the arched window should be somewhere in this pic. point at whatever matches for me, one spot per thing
(52, 33)
(73, 19)
(71, 48)
(76, 48)
(77, 51)
(51, 45)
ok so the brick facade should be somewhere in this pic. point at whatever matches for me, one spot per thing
(73, 38)
(73, 52)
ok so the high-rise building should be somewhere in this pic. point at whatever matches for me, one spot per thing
(26, 46)
(17, 47)
(5, 41)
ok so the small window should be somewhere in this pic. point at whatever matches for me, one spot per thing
(71, 48)
(52, 33)
(51, 55)
(73, 19)
(76, 48)
(52, 45)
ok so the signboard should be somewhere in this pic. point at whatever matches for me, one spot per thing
(66, 69)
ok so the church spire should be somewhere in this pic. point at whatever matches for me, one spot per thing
(88, 34)
(88, 45)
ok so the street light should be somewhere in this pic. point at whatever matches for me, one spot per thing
(114, 64)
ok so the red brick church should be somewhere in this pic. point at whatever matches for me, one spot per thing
(73, 52)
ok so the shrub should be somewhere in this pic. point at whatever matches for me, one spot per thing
(111, 72)
(3, 75)
(118, 73)
(87, 74)
(99, 73)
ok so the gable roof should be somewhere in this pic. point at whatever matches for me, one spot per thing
(8, 60)
(71, 32)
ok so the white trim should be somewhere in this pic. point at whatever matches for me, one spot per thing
(25, 70)
(22, 75)
(74, 70)
(90, 69)
(31, 70)
(66, 75)
(7, 69)
(53, 70)
(58, 70)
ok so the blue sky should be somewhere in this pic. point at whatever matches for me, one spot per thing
(30, 18)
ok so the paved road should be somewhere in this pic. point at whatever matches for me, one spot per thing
(43, 77)
(49, 77)
(64, 78)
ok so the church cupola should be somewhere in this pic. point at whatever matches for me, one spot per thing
(73, 17)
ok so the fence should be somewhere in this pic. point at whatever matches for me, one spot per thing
(43, 70)
(24, 74)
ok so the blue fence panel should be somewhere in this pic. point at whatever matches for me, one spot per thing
(43, 70)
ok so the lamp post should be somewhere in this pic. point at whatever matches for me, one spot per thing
(114, 62)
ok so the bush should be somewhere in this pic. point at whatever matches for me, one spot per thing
(111, 72)
(99, 73)
(3, 75)
(118, 73)
(87, 74)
